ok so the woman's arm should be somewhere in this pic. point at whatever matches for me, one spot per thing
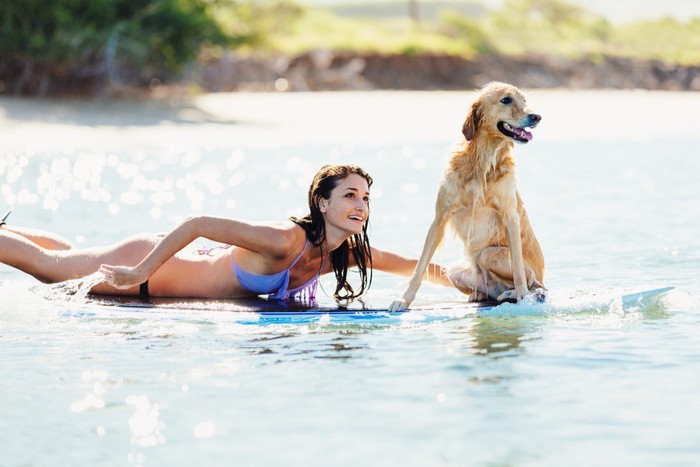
(397, 264)
(270, 240)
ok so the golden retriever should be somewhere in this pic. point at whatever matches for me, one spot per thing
(478, 197)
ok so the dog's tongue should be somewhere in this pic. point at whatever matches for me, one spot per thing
(523, 133)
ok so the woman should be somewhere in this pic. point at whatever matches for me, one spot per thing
(282, 260)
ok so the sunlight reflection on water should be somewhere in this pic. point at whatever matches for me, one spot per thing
(580, 378)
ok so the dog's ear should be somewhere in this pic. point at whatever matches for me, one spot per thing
(471, 124)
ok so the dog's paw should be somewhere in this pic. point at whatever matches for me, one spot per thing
(536, 296)
(398, 305)
(508, 295)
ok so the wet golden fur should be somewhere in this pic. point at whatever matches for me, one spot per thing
(478, 197)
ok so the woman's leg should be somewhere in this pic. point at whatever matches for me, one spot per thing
(183, 275)
(49, 266)
(46, 240)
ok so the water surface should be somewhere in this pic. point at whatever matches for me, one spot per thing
(609, 183)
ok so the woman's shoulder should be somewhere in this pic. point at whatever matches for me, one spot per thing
(289, 239)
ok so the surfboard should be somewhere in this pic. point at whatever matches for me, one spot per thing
(266, 312)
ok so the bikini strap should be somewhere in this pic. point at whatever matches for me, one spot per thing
(300, 255)
(323, 263)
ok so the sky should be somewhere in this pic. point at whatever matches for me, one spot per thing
(633, 10)
(618, 11)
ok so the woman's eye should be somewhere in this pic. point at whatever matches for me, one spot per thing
(507, 100)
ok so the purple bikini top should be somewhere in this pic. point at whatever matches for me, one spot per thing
(276, 285)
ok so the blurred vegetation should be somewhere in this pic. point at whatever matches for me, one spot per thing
(322, 29)
(666, 39)
(83, 43)
(98, 41)
(547, 26)
(519, 27)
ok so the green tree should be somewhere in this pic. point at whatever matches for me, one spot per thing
(77, 45)
(469, 31)
(548, 26)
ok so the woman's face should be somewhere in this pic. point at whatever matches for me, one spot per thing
(347, 209)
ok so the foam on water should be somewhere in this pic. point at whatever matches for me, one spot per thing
(30, 302)
(21, 304)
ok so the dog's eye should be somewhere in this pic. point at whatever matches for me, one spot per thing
(507, 100)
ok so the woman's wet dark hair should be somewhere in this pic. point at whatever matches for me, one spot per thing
(325, 180)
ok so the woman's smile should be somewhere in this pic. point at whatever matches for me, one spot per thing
(349, 200)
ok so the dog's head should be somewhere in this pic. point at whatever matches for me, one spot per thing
(500, 111)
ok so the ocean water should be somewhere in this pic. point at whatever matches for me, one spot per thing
(610, 186)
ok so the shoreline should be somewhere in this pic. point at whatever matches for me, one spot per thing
(326, 70)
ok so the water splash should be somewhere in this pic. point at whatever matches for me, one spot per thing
(573, 303)
(681, 301)
(74, 290)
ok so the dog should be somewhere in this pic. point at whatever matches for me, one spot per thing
(478, 197)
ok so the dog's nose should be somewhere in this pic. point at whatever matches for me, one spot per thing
(534, 118)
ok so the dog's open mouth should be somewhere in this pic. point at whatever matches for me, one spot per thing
(518, 134)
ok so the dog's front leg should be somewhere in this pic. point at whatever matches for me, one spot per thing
(512, 222)
(432, 240)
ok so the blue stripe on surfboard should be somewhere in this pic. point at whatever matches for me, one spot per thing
(425, 314)
(635, 298)
(263, 312)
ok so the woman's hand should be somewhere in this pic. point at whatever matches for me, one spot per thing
(122, 277)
